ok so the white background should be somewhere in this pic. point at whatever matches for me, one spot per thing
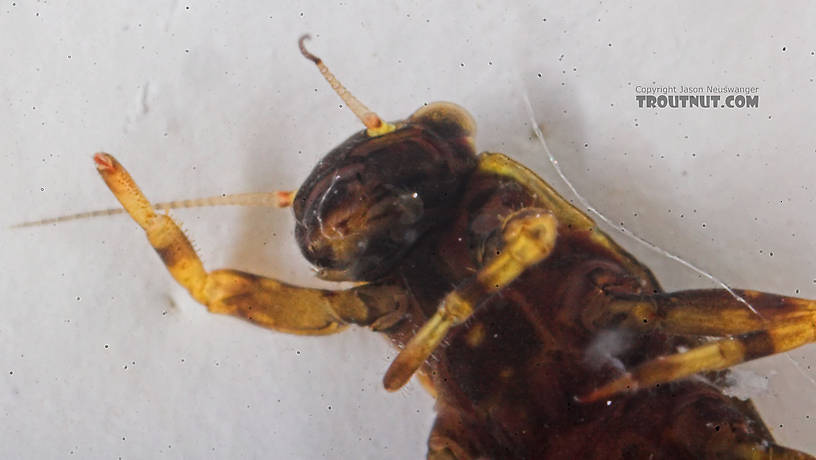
(103, 356)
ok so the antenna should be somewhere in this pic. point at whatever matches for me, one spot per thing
(376, 126)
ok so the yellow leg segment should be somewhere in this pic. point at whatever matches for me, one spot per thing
(529, 237)
(776, 324)
(713, 312)
(264, 301)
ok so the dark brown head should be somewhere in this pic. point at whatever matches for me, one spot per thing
(368, 200)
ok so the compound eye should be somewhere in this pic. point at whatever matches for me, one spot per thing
(446, 119)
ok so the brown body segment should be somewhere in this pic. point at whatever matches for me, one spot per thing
(539, 335)
(510, 389)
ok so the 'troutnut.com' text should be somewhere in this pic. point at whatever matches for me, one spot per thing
(681, 97)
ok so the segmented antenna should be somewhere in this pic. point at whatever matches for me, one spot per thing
(376, 126)
(273, 199)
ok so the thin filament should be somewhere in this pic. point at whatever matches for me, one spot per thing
(274, 200)
(370, 119)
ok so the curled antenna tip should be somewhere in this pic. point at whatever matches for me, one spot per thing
(375, 125)
(306, 52)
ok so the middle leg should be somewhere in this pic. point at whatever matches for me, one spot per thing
(752, 325)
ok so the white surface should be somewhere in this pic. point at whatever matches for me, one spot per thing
(103, 356)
